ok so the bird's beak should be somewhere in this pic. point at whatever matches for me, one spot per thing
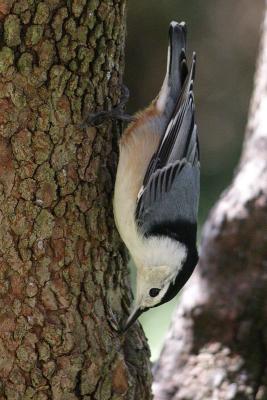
(133, 317)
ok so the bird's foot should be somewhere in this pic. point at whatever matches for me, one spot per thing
(113, 319)
(115, 114)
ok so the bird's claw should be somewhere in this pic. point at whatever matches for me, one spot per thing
(115, 114)
(112, 319)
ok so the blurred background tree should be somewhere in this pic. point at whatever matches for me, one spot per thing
(225, 35)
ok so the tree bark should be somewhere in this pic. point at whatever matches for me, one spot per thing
(62, 265)
(217, 344)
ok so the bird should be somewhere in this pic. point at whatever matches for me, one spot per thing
(157, 184)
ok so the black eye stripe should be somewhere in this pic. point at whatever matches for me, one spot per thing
(154, 292)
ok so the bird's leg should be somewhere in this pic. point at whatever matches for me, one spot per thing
(112, 318)
(116, 113)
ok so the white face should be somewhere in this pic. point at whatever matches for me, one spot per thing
(152, 285)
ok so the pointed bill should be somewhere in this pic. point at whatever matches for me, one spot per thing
(132, 318)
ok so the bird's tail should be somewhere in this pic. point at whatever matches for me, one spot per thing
(176, 69)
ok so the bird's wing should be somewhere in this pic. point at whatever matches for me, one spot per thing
(180, 139)
(168, 206)
(168, 203)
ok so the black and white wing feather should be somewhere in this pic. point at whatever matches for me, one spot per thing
(168, 204)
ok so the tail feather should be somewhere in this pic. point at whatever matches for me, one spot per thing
(176, 69)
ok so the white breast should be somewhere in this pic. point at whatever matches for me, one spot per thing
(136, 151)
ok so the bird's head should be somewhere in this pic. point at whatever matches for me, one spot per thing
(158, 285)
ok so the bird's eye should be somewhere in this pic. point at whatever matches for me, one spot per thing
(154, 292)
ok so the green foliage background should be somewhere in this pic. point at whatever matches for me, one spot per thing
(225, 35)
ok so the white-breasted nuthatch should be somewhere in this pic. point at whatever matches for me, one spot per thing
(157, 185)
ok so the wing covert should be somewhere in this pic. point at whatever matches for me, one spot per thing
(169, 203)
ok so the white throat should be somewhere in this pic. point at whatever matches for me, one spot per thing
(158, 250)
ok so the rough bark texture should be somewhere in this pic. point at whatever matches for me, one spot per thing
(217, 344)
(62, 266)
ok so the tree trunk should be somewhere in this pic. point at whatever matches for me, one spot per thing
(63, 270)
(217, 344)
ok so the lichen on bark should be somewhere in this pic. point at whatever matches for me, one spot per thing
(62, 265)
